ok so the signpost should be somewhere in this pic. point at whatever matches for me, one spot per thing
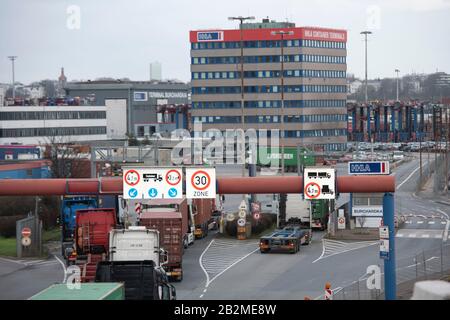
(341, 223)
(200, 183)
(368, 167)
(26, 240)
(319, 183)
(152, 183)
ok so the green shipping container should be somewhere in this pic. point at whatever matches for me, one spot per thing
(87, 291)
(267, 155)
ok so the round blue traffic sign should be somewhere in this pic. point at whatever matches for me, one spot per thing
(173, 192)
(133, 192)
(152, 192)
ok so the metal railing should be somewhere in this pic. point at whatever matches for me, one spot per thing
(425, 265)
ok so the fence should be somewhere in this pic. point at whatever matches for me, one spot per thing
(35, 248)
(429, 264)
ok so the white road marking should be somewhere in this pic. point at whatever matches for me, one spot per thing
(399, 235)
(64, 268)
(425, 235)
(444, 213)
(221, 255)
(412, 235)
(334, 247)
(447, 226)
(443, 222)
(13, 261)
(407, 178)
(408, 222)
(431, 222)
(419, 222)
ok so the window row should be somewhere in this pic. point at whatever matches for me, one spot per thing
(270, 104)
(272, 119)
(315, 133)
(52, 115)
(270, 89)
(268, 44)
(269, 59)
(269, 74)
(51, 132)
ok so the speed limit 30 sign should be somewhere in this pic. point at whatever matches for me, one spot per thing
(200, 183)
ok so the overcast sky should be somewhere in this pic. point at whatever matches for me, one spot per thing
(118, 38)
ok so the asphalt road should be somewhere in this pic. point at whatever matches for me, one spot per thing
(219, 268)
(228, 270)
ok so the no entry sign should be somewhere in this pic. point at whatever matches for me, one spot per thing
(26, 232)
(200, 183)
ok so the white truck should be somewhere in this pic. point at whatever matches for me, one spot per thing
(136, 244)
(297, 209)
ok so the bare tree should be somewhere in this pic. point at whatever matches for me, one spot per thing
(67, 158)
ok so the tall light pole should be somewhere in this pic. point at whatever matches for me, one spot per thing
(365, 33)
(282, 34)
(241, 45)
(13, 58)
(397, 71)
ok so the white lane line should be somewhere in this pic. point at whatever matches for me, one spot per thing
(323, 251)
(445, 236)
(412, 235)
(399, 235)
(425, 235)
(444, 213)
(201, 265)
(408, 222)
(443, 222)
(64, 268)
(233, 264)
(431, 222)
(419, 222)
(201, 296)
(13, 261)
(407, 178)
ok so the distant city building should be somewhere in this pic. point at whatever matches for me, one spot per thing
(375, 84)
(353, 86)
(443, 79)
(62, 81)
(144, 100)
(40, 124)
(155, 71)
(2, 97)
(34, 91)
(315, 83)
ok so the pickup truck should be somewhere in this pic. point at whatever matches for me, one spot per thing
(289, 239)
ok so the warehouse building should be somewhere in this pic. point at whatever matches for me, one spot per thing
(46, 124)
(152, 106)
(315, 87)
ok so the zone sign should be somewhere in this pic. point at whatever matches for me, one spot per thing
(200, 183)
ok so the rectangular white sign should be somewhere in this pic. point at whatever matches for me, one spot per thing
(319, 183)
(200, 183)
(152, 183)
(367, 211)
(384, 232)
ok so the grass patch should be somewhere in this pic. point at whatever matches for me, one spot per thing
(8, 247)
(51, 235)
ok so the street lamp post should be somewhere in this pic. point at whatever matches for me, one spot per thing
(282, 34)
(241, 20)
(241, 45)
(13, 58)
(365, 33)
(397, 71)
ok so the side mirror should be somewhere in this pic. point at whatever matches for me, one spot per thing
(163, 256)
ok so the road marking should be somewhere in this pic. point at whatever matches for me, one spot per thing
(419, 222)
(407, 178)
(13, 261)
(412, 235)
(443, 222)
(64, 268)
(431, 222)
(221, 255)
(334, 247)
(408, 222)
(425, 235)
(201, 296)
(445, 236)
(399, 235)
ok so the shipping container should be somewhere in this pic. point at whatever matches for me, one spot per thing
(179, 205)
(169, 223)
(267, 156)
(92, 240)
(87, 291)
(202, 212)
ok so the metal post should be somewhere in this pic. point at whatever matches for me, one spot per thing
(397, 71)
(365, 33)
(13, 58)
(390, 283)
(424, 264)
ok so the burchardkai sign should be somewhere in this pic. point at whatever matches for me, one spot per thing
(367, 211)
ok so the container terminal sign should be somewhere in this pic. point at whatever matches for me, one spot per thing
(152, 183)
(372, 167)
